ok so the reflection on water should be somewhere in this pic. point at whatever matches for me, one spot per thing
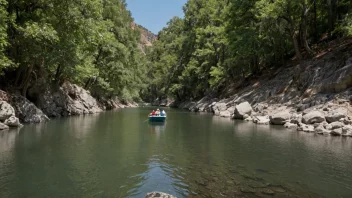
(7, 140)
(157, 127)
(121, 154)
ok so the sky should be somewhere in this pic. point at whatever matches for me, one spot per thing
(154, 14)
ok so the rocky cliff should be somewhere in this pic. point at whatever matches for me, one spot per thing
(147, 37)
(67, 100)
(311, 96)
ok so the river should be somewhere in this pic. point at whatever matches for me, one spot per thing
(120, 154)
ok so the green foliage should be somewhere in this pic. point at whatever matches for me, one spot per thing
(4, 61)
(346, 26)
(92, 43)
(221, 41)
(88, 42)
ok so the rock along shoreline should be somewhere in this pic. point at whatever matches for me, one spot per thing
(326, 119)
(67, 100)
(312, 96)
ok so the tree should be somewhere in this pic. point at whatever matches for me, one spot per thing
(4, 61)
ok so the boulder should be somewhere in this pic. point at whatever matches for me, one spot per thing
(159, 195)
(12, 122)
(26, 111)
(347, 121)
(280, 118)
(326, 109)
(328, 127)
(336, 132)
(336, 115)
(306, 128)
(6, 111)
(324, 123)
(336, 125)
(260, 107)
(70, 99)
(242, 109)
(261, 120)
(219, 107)
(53, 103)
(3, 126)
(4, 96)
(321, 130)
(225, 114)
(248, 119)
(296, 118)
(290, 125)
(313, 117)
(80, 100)
(347, 130)
(245, 116)
(302, 107)
(231, 109)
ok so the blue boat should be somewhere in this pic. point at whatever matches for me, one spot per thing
(157, 118)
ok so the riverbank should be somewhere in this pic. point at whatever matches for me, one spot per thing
(313, 96)
(47, 102)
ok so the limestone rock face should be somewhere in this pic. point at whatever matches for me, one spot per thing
(6, 111)
(313, 117)
(242, 109)
(68, 100)
(280, 118)
(80, 101)
(340, 80)
(27, 111)
(158, 195)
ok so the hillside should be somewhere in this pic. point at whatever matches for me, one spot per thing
(311, 96)
(147, 37)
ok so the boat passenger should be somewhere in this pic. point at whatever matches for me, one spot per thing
(157, 112)
(152, 113)
(163, 113)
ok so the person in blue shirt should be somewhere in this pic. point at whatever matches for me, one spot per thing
(163, 113)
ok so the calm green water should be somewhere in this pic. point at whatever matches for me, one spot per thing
(120, 154)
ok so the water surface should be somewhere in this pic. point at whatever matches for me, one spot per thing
(120, 154)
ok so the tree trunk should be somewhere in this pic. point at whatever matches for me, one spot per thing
(58, 74)
(315, 22)
(293, 36)
(304, 29)
(330, 17)
(26, 80)
(87, 83)
(296, 46)
(18, 75)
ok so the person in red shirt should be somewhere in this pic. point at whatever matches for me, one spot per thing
(152, 113)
